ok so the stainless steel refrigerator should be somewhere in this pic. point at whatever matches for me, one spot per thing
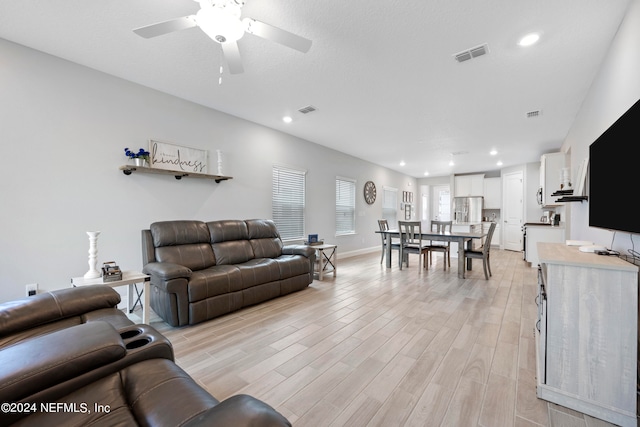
(468, 209)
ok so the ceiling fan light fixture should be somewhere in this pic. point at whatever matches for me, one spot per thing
(219, 24)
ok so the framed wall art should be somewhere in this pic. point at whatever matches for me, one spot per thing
(165, 155)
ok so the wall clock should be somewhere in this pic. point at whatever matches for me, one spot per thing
(369, 192)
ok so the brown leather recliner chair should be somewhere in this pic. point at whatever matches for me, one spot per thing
(91, 373)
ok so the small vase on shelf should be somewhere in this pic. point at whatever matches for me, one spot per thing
(139, 161)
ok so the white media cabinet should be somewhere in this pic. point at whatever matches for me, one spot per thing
(587, 333)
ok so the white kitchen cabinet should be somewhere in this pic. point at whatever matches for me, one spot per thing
(540, 233)
(469, 185)
(550, 169)
(492, 193)
(586, 333)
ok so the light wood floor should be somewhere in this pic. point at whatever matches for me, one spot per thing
(379, 347)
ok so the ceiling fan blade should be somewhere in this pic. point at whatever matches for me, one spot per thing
(166, 27)
(277, 35)
(232, 55)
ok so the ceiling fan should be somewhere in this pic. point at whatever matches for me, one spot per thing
(220, 20)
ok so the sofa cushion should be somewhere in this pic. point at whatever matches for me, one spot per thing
(258, 271)
(229, 241)
(182, 242)
(264, 237)
(216, 280)
(154, 392)
(41, 309)
(232, 252)
(292, 265)
(229, 229)
(38, 363)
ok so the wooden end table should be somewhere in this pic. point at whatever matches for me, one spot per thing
(130, 278)
(327, 259)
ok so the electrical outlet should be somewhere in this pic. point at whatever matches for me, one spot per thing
(32, 289)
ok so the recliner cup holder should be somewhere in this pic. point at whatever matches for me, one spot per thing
(130, 333)
(137, 343)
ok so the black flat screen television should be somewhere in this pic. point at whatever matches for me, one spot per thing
(613, 189)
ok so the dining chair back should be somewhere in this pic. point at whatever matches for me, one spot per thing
(411, 243)
(444, 247)
(383, 224)
(484, 253)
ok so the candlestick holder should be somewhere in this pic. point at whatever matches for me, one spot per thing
(93, 272)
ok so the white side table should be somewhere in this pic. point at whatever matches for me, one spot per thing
(327, 259)
(129, 278)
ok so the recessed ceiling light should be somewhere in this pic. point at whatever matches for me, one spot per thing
(451, 163)
(287, 119)
(499, 163)
(529, 39)
(493, 152)
(402, 163)
(426, 174)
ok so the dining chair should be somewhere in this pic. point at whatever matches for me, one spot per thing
(444, 247)
(411, 243)
(484, 253)
(383, 224)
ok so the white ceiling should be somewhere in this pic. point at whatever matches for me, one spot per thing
(381, 73)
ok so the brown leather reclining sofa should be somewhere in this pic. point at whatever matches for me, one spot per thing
(201, 270)
(70, 357)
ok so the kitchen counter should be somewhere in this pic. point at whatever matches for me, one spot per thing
(540, 233)
(542, 224)
(556, 253)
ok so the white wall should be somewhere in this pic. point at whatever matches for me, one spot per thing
(614, 90)
(63, 129)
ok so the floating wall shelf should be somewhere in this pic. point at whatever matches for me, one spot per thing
(572, 199)
(129, 169)
(567, 196)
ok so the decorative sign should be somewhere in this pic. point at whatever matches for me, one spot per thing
(177, 158)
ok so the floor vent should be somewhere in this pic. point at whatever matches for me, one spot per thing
(308, 109)
(474, 52)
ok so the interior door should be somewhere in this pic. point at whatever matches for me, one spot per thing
(513, 210)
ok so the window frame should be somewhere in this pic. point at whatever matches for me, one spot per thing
(345, 206)
(288, 201)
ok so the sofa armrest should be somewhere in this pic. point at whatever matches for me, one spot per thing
(167, 271)
(42, 362)
(27, 313)
(240, 411)
(303, 250)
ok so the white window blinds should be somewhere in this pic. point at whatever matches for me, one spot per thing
(345, 206)
(288, 202)
(390, 206)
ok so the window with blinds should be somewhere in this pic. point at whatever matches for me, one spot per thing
(345, 206)
(390, 206)
(288, 202)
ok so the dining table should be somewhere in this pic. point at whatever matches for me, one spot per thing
(461, 237)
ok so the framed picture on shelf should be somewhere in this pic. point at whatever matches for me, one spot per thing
(168, 156)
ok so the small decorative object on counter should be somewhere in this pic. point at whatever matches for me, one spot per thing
(111, 272)
(139, 158)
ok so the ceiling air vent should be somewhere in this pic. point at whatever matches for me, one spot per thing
(308, 109)
(474, 52)
(533, 114)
